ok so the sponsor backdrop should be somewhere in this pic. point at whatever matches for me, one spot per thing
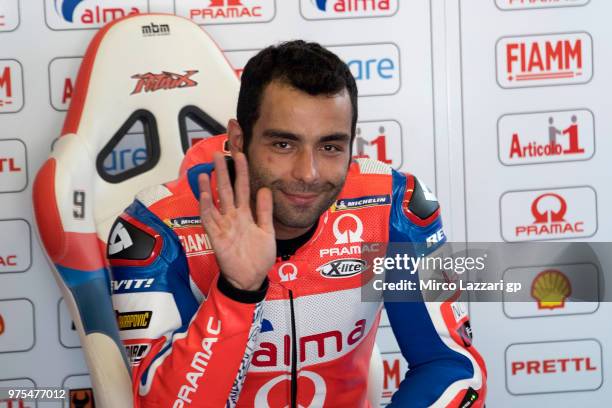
(498, 105)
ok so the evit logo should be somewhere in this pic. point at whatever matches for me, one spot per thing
(226, 11)
(544, 60)
(86, 14)
(330, 9)
(545, 137)
(542, 214)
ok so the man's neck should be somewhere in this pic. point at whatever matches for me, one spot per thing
(284, 232)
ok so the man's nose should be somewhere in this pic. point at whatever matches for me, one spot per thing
(305, 166)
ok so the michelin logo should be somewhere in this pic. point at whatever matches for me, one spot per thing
(183, 222)
(361, 202)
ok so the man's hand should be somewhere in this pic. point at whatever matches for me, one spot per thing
(245, 249)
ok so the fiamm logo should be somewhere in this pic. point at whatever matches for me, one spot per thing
(86, 14)
(330, 9)
(544, 60)
(376, 67)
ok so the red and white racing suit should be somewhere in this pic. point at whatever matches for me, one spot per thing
(303, 340)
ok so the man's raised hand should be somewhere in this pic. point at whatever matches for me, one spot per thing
(245, 249)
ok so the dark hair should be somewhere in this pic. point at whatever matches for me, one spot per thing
(306, 66)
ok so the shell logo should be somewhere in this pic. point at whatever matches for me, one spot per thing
(550, 288)
(1, 325)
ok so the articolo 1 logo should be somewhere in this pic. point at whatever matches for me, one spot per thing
(546, 137)
(536, 215)
(380, 140)
(226, 11)
(329, 9)
(544, 60)
(79, 14)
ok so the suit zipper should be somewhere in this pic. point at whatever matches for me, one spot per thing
(293, 355)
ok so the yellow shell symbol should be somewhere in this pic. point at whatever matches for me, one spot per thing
(550, 288)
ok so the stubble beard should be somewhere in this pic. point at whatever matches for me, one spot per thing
(290, 215)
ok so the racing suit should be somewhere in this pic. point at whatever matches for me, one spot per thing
(306, 337)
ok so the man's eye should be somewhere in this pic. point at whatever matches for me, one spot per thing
(282, 145)
(331, 148)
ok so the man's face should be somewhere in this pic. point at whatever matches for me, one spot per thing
(300, 149)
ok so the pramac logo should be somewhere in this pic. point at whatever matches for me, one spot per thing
(350, 234)
(273, 392)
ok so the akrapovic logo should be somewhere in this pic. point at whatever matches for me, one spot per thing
(87, 14)
(536, 4)
(331, 9)
(380, 140)
(376, 67)
(11, 86)
(342, 268)
(544, 137)
(134, 320)
(549, 214)
(543, 60)
(226, 11)
(62, 80)
(9, 15)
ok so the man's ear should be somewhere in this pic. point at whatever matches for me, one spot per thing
(235, 136)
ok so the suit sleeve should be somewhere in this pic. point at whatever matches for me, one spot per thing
(184, 350)
(435, 337)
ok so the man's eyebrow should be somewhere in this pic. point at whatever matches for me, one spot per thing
(281, 134)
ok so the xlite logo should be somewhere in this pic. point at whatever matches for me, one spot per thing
(351, 232)
(150, 82)
(155, 30)
(544, 60)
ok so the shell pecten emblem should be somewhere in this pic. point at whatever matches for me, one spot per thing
(1, 325)
(550, 288)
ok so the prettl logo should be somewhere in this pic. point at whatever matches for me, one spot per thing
(349, 235)
(166, 80)
(75, 14)
(226, 11)
(543, 60)
(546, 137)
(11, 86)
(376, 67)
(550, 288)
(287, 272)
(533, 4)
(380, 140)
(13, 166)
(559, 366)
(566, 213)
(326, 9)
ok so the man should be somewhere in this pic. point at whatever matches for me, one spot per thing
(237, 297)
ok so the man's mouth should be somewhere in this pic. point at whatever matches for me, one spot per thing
(300, 199)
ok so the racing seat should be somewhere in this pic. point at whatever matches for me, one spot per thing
(156, 73)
